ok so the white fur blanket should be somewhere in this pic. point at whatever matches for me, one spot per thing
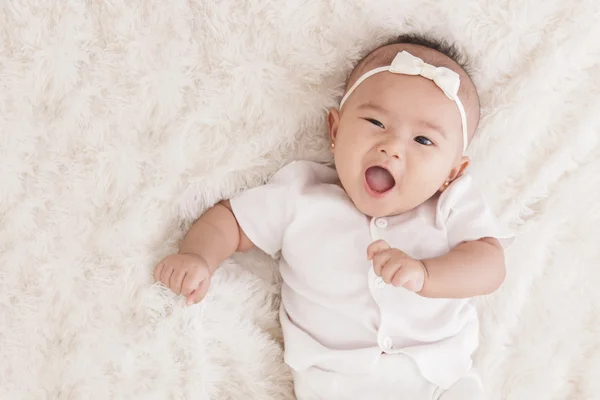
(121, 122)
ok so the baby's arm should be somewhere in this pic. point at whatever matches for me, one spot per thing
(214, 237)
(470, 269)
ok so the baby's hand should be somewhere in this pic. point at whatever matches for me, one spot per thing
(396, 267)
(186, 274)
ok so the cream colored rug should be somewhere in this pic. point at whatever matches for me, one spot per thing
(120, 122)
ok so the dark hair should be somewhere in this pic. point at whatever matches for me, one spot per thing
(439, 45)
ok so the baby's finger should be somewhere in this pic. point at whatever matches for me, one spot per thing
(410, 280)
(190, 283)
(177, 279)
(165, 274)
(187, 288)
(376, 247)
(199, 293)
(389, 270)
(379, 260)
(400, 277)
(157, 270)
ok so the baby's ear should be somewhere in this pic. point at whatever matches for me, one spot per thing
(333, 121)
(456, 172)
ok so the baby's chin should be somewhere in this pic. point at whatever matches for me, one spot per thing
(376, 208)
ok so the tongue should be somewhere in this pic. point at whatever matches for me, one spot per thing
(379, 179)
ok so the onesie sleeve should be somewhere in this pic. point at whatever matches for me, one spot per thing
(264, 212)
(467, 216)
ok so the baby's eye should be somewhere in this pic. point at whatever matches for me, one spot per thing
(423, 140)
(375, 122)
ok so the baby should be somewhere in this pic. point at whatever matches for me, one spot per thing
(381, 255)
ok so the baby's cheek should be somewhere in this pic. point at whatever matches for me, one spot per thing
(347, 164)
(433, 174)
(414, 190)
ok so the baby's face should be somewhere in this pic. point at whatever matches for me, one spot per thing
(396, 142)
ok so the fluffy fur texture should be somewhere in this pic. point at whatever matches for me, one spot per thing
(120, 122)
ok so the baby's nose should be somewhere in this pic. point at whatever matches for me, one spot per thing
(391, 148)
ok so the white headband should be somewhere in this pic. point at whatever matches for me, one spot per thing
(407, 64)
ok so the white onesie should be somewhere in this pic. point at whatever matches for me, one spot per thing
(339, 318)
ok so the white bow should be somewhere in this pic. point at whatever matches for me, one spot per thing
(407, 64)
(444, 78)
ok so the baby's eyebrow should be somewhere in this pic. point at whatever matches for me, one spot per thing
(432, 126)
(372, 106)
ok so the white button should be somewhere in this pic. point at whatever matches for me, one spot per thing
(387, 343)
(381, 222)
(379, 282)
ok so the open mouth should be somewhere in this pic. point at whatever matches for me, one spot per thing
(379, 179)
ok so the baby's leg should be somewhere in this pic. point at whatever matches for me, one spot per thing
(394, 377)
(467, 388)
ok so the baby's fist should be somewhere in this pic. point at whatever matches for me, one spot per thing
(396, 267)
(186, 274)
